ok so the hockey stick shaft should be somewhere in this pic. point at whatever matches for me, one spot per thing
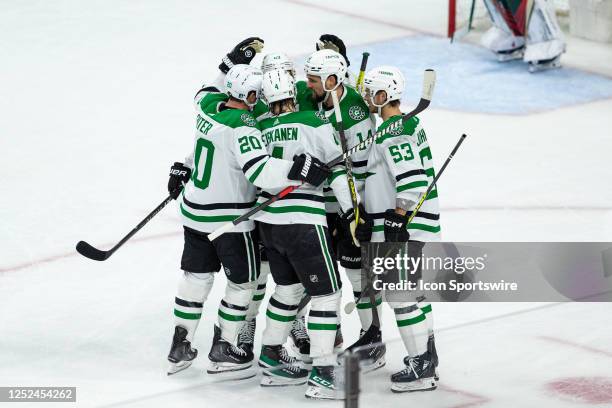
(348, 162)
(435, 180)
(91, 252)
(364, 63)
(429, 82)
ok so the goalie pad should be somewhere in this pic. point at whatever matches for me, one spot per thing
(501, 38)
(545, 40)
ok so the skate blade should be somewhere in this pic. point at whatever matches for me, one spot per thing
(424, 384)
(510, 57)
(277, 381)
(230, 373)
(368, 368)
(175, 368)
(320, 393)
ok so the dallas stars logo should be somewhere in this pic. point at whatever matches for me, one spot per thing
(248, 119)
(396, 129)
(321, 115)
(356, 113)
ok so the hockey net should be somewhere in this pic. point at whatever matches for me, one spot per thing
(460, 22)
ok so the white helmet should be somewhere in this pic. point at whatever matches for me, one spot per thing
(241, 80)
(278, 85)
(324, 63)
(277, 60)
(385, 78)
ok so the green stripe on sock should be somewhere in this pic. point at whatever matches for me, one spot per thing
(278, 317)
(259, 297)
(409, 322)
(368, 305)
(426, 309)
(188, 316)
(322, 326)
(232, 318)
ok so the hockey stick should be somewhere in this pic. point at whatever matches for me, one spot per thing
(364, 63)
(350, 306)
(348, 162)
(429, 82)
(96, 254)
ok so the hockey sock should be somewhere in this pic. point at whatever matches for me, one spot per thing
(425, 307)
(233, 309)
(282, 310)
(259, 293)
(412, 327)
(193, 289)
(364, 307)
(322, 327)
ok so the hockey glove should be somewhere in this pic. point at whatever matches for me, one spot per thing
(308, 169)
(363, 231)
(179, 175)
(243, 53)
(395, 227)
(332, 42)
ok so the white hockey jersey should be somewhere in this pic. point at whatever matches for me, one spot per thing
(400, 167)
(228, 162)
(292, 134)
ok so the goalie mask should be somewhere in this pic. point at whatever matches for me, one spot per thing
(325, 63)
(277, 60)
(384, 78)
(278, 85)
(241, 80)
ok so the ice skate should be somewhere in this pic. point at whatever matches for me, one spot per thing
(181, 354)
(510, 55)
(417, 376)
(431, 348)
(323, 384)
(289, 371)
(300, 340)
(545, 65)
(370, 349)
(226, 358)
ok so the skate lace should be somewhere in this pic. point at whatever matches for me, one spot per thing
(290, 362)
(247, 334)
(299, 329)
(239, 351)
(412, 363)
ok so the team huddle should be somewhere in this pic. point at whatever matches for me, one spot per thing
(257, 132)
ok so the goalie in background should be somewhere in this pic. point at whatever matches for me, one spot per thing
(526, 29)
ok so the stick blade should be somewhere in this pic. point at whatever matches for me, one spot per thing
(90, 252)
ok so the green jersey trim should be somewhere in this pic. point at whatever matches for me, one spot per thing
(207, 218)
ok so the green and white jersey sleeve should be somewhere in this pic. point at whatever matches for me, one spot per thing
(400, 167)
(260, 110)
(292, 134)
(229, 161)
(358, 124)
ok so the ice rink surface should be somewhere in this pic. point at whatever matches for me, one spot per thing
(97, 103)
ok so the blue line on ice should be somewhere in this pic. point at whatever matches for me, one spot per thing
(469, 78)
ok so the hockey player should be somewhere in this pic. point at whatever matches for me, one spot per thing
(399, 170)
(305, 260)
(518, 32)
(221, 176)
(326, 73)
